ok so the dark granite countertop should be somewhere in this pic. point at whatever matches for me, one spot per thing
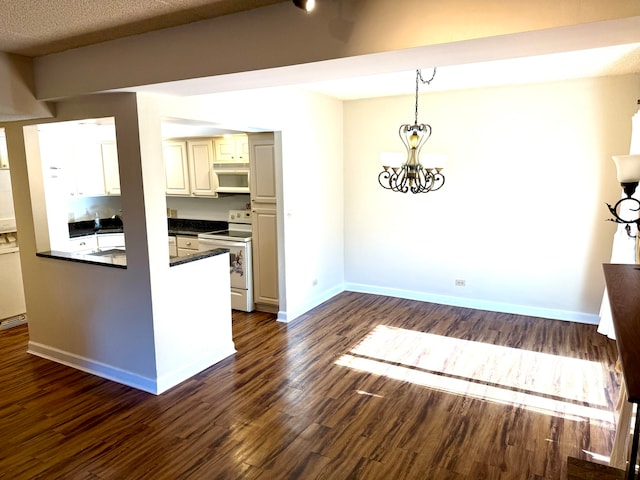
(118, 258)
(185, 226)
(176, 226)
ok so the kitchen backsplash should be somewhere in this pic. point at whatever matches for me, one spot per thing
(207, 208)
(85, 208)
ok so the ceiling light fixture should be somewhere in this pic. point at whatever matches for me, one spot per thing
(628, 172)
(306, 5)
(412, 175)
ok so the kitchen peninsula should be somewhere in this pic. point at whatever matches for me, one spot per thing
(98, 252)
(149, 326)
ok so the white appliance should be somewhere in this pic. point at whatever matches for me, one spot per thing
(237, 238)
(7, 217)
(231, 177)
(12, 304)
(173, 246)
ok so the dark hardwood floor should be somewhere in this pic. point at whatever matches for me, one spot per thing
(362, 387)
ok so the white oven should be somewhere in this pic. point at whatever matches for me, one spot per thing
(237, 239)
(231, 177)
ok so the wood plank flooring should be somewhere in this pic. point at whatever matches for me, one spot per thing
(362, 387)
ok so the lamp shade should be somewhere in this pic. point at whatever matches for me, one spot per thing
(434, 160)
(628, 168)
(392, 159)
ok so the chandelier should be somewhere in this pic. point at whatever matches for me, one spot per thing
(412, 175)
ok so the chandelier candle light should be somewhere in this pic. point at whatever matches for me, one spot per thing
(412, 175)
(628, 172)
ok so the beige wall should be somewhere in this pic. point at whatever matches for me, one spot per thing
(88, 316)
(130, 325)
(521, 215)
(281, 36)
(17, 101)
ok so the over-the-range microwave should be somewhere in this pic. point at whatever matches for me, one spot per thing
(231, 177)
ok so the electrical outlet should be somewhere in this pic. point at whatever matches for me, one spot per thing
(460, 283)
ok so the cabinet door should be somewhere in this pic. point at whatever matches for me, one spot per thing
(265, 254)
(111, 169)
(242, 149)
(110, 240)
(81, 244)
(4, 157)
(262, 168)
(225, 150)
(89, 174)
(232, 149)
(176, 168)
(201, 176)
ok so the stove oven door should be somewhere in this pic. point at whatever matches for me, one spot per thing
(239, 260)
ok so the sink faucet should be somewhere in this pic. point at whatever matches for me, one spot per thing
(117, 216)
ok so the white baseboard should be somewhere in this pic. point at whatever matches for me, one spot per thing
(289, 316)
(134, 380)
(179, 375)
(477, 304)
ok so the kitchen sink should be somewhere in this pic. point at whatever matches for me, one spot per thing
(109, 253)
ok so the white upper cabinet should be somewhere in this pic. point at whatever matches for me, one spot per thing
(232, 149)
(110, 167)
(189, 167)
(263, 169)
(176, 168)
(89, 173)
(201, 177)
(81, 158)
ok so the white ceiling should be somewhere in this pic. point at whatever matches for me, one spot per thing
(596, 62)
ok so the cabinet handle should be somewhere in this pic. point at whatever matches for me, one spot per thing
(188, 244)
(54, 168)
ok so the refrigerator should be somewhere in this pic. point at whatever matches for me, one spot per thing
(12, 303)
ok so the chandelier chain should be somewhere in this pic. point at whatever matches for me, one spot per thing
(427, 82)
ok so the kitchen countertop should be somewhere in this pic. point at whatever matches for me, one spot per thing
(176, 226)
(118, 258)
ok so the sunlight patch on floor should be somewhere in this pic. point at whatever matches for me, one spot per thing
(541, 382)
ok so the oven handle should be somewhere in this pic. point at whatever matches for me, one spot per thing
(213, 243)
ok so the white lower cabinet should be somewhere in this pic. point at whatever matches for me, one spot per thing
(80, 244)
(89, 243)
(186, 245)
(111, 240)
(173, 246)
(265, 256)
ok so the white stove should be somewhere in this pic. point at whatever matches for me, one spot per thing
(237, 239)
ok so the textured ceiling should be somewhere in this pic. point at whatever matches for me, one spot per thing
(40, 27)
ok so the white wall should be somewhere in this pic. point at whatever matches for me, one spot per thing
(521, 215)
(311, 203)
